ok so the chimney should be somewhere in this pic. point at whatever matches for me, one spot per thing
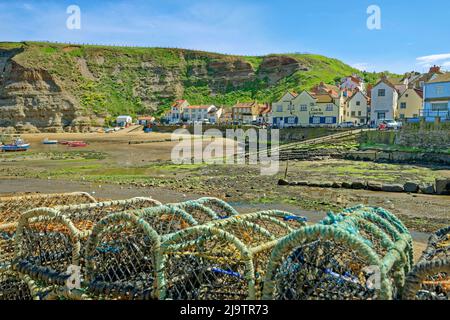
(435, 69)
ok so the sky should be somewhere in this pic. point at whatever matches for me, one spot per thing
(413, 34)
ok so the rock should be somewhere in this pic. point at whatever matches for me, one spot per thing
(358, 185)
(427, 189)
(346, 185)
(313, 184)
(392, 188)
(336, 185)
(325, 184)
(411, 187)
(443, 186)
(374, 186)
(283, 182)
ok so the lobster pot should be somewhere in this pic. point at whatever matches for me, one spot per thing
(121, 255)
(46, 245)
(15, 286)
(201, 262)
(205, 263)
(84, 216)
(430, 278)
(345, 257)
(6, 246)
(49, 240)
(11, 209)
(220, 207)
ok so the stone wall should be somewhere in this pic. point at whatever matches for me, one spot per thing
(424, 136)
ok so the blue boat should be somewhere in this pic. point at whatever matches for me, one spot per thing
(46, 141)
(16, 146)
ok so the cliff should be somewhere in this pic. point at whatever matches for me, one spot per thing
(55, 86)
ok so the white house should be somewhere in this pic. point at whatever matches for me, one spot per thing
(353, 82)
(357, 108)
(384, 102)
(124, 121)
(198, 113)
(176, 111)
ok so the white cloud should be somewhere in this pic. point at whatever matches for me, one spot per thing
(363, 66)
(435, 58)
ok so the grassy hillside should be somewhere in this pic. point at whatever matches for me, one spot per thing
(112, 80)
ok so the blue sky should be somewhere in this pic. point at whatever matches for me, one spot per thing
(414, 34)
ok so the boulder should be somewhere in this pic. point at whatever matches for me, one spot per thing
(325, 184)
(358, 185)
(374, 186)
(427, 189)
(346, 185)
(443, 186)
(336, 185)
(283, 182)
(392, 188)
(411, 187)
(314, 184)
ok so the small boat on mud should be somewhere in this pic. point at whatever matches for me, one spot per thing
(17, 146)
(76, 144)
(47, 141)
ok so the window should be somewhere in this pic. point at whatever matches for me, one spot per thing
(406, 95)
(279, 108)
(303, 107)
(381, 92)
(329, 107)
(439, 106)
(359, 113)
(291, 120)
(353, 113)
(440, 90)
(402, 116)
(316, 120)
(403, 105)
(381, 115)
(329, 120)
(358, 103)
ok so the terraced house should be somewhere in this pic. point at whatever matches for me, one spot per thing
(174, 115)
(357, 108)
(198, 113)
(316, 108)
(410, 104)
(436, 104)
(384, 101)
(283, 113)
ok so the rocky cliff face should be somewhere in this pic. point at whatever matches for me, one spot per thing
(32, 96)
(73, 87)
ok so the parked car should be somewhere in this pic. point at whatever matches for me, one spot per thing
(347, 124)
(388, 125)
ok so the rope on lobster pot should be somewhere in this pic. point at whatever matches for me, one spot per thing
(227, 209)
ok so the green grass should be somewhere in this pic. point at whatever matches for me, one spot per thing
(123, 74)
(394, 147)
